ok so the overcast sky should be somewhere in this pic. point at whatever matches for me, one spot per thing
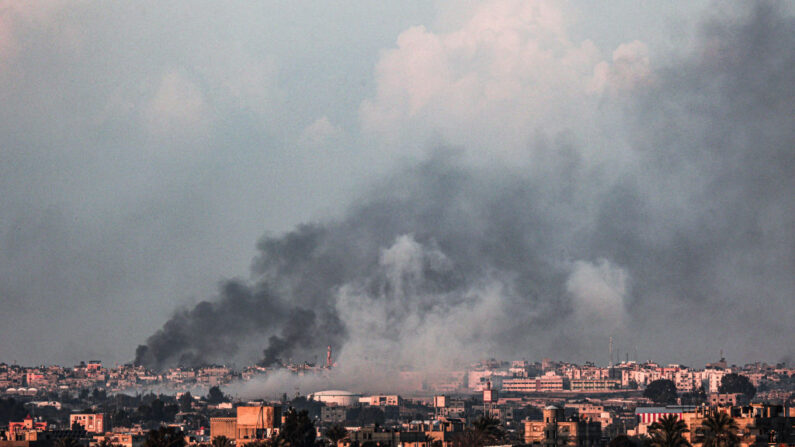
(146, 146)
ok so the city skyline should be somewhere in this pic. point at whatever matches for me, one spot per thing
(519, 377)
(493, 402)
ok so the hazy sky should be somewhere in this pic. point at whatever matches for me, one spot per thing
(145, 148)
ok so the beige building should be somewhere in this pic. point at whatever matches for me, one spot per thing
(444, 432)
(520, 385)
(385, 438)
(92, 423)
(120, 439)
(555, 431)
(250, 424)
(595, 384)
(549, 382)
(546, 383)
(226, 427)
(381, 400)
(594, 413)
(725, 399)
(758, 424)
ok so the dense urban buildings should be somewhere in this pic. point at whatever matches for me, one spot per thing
(493, 402)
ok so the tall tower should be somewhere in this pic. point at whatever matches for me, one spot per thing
(490, 398)
(552, 416)
(611, 353)
(329, 362)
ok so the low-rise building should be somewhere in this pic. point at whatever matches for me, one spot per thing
(15, 429)
(332, 415)
(595, 384)
(119, 439)
(554, 430)
(251, 423)
(381, 400)
(649, 415)
(385, 438)
(725, 399)
(91, 423)
(447, 407)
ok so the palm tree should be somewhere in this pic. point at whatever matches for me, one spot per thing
(297, 430)
(221, 441)
(470, 438)
(489, 427)
(719, 430)
(669, 431)
(336, 433)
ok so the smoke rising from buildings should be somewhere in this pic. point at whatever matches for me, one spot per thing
(444, 262)
(477, 178)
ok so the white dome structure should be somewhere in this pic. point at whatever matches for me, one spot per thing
(335, 397)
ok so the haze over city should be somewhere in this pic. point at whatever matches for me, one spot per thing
(420, 185)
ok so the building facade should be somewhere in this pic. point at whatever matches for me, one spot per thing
(555, 431)
(92, 423)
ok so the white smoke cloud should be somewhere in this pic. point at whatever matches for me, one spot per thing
(7, 44)
(490, 85)
(600, 291)
(402, 321)
(630, 69)
(321, 132)
(405, 263)
(177, 109)
(239, 80)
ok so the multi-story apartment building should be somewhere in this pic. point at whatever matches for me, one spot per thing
(92, 423)
(595, 384)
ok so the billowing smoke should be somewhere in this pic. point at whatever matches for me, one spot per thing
(685, 248)
(214, 330)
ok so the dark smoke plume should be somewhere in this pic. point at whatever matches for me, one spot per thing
(214, 330)
(687, 249)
